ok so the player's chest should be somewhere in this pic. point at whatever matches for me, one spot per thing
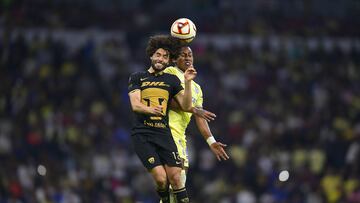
(195, 92)
(155, 82)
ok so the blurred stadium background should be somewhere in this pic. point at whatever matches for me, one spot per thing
(283, 76)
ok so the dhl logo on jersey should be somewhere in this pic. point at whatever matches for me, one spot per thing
(157, 84)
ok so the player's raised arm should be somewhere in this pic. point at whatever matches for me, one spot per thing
(184, 98)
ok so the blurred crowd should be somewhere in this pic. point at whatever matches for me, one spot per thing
(286, 95)
(282, 104)
(261, 17)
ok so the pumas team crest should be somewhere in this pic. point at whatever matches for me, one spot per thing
(151, 160)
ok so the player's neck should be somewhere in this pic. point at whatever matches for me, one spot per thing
(154, 71)
(183, 71)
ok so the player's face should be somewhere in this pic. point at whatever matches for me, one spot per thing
(160, 59)
(185, 59)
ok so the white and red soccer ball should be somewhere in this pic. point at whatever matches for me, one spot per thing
(184, 29)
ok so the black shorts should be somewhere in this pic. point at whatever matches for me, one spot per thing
(153, 151)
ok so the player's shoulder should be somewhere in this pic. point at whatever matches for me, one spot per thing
(139, 74)
(171, 70)
(171, 76)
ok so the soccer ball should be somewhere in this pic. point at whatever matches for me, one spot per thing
(184, 29)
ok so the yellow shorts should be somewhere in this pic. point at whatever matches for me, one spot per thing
(182, 149)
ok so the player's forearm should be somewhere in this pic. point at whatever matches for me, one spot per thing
(203, 127)
(186, 101)
(174, 105)
(206, 132)
(195, 110)
(191, 110)
(140, 108)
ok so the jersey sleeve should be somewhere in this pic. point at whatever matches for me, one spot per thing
(200, 99)
(134, 82)
(177, 86)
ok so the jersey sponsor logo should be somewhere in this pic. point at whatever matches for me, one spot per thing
(155, 124)
(142, 79)
(156, 84)
(193, 100)
(151, 160)
(196, 90)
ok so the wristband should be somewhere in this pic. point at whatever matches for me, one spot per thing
(210, 140)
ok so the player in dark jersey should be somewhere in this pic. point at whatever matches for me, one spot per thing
(150, 94)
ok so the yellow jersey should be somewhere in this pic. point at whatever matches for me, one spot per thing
(179, 120)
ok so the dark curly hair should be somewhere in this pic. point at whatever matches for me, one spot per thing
(170, 44)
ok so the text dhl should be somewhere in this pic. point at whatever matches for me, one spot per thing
(144, 84)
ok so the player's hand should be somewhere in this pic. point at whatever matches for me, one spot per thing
(207, 115)
(156, 110)
(190, 73)
(218, 149)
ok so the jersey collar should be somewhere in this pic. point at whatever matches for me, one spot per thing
(152, 72)
(179, 69)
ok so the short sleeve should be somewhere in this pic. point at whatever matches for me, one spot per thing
(177, 85)
(134, 82)
(199, 99)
